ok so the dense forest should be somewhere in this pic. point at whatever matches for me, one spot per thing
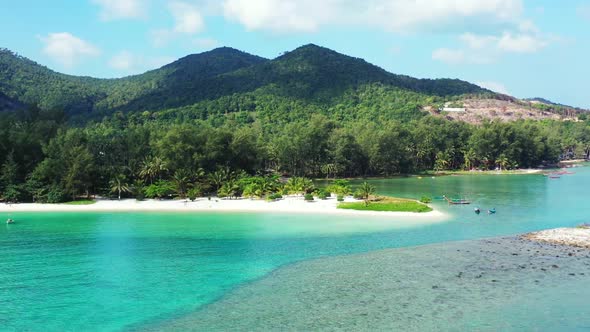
(46, 160)
(229, 123)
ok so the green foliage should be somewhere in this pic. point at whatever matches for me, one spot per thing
(299, 186)
(224, 120)
(365, 191)
(274, 197)
(340, 187)
(82, 202)
(340, 198)
(308, 197)
(425, 200)
(54, 195)
(386, 207)
(14, 193)
(119, 185)
(160, 189)
(322, 194)
(195, 192)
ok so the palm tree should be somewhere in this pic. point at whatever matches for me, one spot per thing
(329, 169)
(217, 178)
(181, 179)
(153, 168)
(118, 185)
(470, 158)
(365, 191)
(502, 162)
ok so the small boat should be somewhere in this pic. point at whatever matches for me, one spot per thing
(456, 201)
(9, 221)
(492, 211)
(477, 210)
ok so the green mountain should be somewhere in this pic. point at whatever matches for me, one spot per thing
(311, 74)
(32, 83)
(9, 104)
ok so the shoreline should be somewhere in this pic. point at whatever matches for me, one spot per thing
(287, 205)
(389, 290)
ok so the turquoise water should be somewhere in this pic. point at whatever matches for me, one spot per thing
(109, 272)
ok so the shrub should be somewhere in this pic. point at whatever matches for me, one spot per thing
(13, 194)
(426, 200)
(275, 196)
(194, 192)
(159, 189)
(358, 195)
(55, 195)
(323, 194)
(308, 197)
(340, 198)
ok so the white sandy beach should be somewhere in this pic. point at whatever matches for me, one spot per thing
(576, 237)
(290, 204)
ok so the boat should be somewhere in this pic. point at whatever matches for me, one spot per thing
(9, 221)
(492, 211)
(477, 210)
(456, 201)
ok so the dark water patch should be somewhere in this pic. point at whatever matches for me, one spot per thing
(486, 285)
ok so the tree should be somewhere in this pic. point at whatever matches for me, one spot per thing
(503, 162)
(365, 191)
(181, 180)
(118, 185)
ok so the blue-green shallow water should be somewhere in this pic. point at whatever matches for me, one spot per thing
(102, 271)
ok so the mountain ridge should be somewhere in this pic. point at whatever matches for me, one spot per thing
(311, 74)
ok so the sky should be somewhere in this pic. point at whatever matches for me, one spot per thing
(525, 48)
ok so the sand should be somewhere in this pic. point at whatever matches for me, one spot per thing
(576, 237)
(289, 204)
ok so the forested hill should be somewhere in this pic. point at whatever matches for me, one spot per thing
(309, 74)
(32, 83)
(7, 103)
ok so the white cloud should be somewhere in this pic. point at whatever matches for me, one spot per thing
(584, 11)
(449, 56)
(493, 86)
(206, 43)
(161, 37)
(399, 16)
(123, 61)
(67, 49)
(128, 62)
(282, 15)
(520, 43)
(482, 49)
(411, 15)
(121, 9)
(188, 18)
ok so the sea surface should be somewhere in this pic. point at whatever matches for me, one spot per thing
(119, 271)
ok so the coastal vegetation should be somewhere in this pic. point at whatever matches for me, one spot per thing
(242, 126)
(386, 204)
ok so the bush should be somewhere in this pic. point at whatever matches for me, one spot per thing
(425, 200)
(340, 198)
(308, 197)
(358, 195)
(55, 195)
(14, 194)
(159, 189)
(194, 192)
(274, 197)
(322, 195)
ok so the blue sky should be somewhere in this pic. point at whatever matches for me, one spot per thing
(525, 48)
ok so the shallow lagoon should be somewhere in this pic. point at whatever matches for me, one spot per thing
(127, 270)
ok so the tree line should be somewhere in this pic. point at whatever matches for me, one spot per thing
(45, 159)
